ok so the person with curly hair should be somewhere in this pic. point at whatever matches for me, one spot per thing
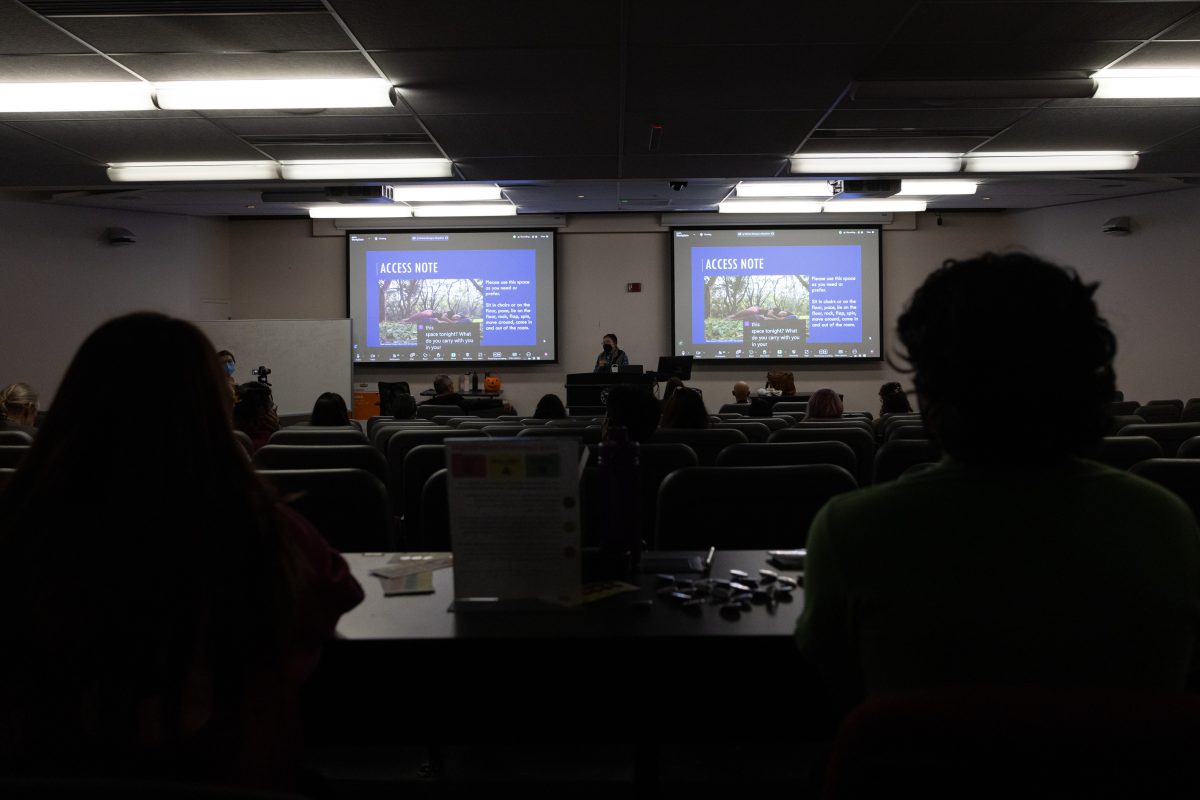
(1016, 561)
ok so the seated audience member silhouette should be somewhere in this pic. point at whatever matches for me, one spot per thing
(550, 407)
(255, 414)
(892, 400)
(228, 367)
(673, 385)
(780, 385)
(330, 409)
(18, 408)
(404, 406)
(824, 404)
(632, 408)
(1014, 562)
(444, 395)
(760, 407)
(172, 640)
(782, 382)
(685, 409)
(741, 392)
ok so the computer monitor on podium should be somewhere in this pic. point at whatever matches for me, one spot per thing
(674, 367)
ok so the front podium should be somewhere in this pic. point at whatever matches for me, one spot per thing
(585, 389)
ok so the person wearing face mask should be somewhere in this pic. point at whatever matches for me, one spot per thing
(229, 365)
(612, 356)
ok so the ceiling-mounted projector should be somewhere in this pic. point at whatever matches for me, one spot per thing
(875, 187)
(330, 194)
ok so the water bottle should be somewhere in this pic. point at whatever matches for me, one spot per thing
(621, 532)
(474, 382)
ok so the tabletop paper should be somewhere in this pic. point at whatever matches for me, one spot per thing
(514, 519)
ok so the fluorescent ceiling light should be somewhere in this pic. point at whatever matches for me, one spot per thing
(319, 93)
(193, 171)
(467, 210)
(784, 189)
(931, 188)
(445, 193)
(856, 163)
(866, 204)
(1050, 161)
(365, 170)
(769, 207)
(359, 212)
(97, 96)
(1147, 83)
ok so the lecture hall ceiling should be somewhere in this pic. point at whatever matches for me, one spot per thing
(557, 101)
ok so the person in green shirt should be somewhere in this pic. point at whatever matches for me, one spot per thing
(1015, 561)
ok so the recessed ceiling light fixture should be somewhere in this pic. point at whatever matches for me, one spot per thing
(852, 205)
(1147, 83)
(151, 171)
(784, 189)
(933, 188)
(445, 193)
(365, 170)
(359, 212)
(317, 93)
(781, 206)
(875, 163)
(1051, 161)
(466, 210)
(95, 96)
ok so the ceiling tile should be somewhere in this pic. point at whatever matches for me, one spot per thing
(937, 104)
(29, 161)
(480, 23)
(896, 144)
(964, 60)
(36, 69)
(23, 33)
(1020, 22)
(299, 124)
(1187, 29)
(749, 132)
(682, 22)
(1180, 155)
(1160, 55)
(768, 76)
(516, 169)
(308, 113)
(319, 152)
(505, 81)
(247, 66)
(1095, 129)
(215, 33)
(1125, 102)
(509, 135)
(143, 139)
(929, 119)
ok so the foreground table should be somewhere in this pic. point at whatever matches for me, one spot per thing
(408, 667)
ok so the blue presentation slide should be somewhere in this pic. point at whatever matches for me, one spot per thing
(460, 301)
(773, 298)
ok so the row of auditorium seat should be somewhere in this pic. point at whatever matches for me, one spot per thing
(1156, 411)
(360, 512)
